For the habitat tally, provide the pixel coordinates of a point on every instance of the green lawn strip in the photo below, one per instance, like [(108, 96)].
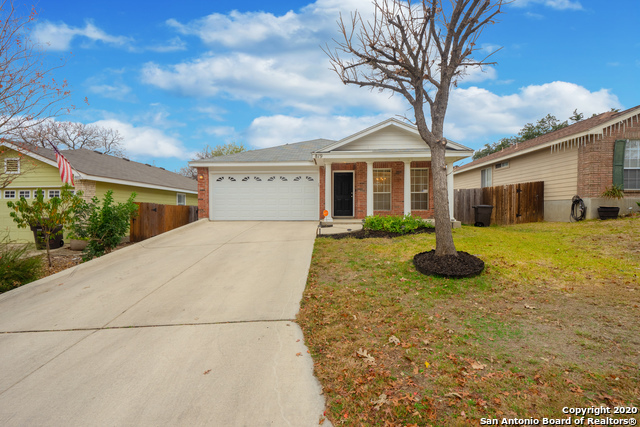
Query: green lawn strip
[(517, 340)]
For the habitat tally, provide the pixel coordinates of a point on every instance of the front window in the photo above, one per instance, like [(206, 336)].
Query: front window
[(419, 189), (181, 199), (485, 177), (632, 165), (24, 194), (54, 193), (382, 189), (9, 194)]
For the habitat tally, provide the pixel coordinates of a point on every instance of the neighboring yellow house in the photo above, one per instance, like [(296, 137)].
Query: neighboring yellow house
[(94, 174)]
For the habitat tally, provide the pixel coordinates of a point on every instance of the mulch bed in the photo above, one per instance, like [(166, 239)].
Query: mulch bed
[(369, 234), (463, 265)]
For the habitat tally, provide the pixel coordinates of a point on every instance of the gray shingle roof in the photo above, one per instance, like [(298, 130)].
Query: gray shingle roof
[(102, 165), (566, 132), (299, 151)]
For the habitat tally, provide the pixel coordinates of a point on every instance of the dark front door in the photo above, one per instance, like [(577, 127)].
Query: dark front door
[(343, 194)]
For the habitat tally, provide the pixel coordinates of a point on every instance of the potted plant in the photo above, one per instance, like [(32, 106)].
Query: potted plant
[(610, 212)]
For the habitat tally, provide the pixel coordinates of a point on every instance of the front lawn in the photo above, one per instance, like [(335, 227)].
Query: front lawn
[(552, 322)]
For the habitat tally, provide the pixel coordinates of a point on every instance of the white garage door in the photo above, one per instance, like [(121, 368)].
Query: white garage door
[(264, 196)]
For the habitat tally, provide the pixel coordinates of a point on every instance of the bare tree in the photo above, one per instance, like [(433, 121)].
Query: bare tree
[(207, 152), (418, 50), (28, 93), (72, 136)]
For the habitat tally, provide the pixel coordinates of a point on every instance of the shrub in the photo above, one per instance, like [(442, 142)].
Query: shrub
[(395, 224), (106, 225), (16, 269)]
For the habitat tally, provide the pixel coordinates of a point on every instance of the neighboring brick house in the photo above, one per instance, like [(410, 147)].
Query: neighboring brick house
[(382, 170), (582, 159)]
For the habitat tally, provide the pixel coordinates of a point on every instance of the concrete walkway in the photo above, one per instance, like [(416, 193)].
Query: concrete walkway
[(190, 328)]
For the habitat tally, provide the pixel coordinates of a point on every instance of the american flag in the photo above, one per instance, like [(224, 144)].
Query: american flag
[(66, 173)]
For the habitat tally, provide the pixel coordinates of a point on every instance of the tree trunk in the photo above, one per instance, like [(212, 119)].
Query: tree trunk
[(444, 235)]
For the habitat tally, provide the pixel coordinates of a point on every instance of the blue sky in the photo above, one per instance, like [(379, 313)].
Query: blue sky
[(172, 77)]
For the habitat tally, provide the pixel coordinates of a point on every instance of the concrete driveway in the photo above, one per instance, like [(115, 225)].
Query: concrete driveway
[(193, 327)]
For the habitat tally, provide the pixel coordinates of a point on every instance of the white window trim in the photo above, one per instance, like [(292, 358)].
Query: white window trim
[(419, 192), (28, 196), (390, 189), (49, 194), (4, 194), (502, 165), (17, 159), (178, 199), (624, 167)]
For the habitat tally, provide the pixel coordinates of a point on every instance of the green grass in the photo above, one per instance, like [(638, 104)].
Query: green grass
[(551, 322)]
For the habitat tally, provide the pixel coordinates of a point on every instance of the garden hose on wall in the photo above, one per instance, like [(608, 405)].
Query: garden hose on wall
[(578, 210)]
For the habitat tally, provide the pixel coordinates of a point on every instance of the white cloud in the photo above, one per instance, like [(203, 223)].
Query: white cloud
[(119, 91), (474, 113), (554, 4), (60, 36), (221, 131), (145, 141), (268, 131), (301, 81), (174, 45)]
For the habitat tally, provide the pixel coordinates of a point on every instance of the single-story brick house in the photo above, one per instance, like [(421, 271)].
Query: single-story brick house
[(582, 159), (382, 170)]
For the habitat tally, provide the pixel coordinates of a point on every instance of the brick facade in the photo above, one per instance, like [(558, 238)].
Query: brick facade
[(360, 187), (203, 192), (595, 160)]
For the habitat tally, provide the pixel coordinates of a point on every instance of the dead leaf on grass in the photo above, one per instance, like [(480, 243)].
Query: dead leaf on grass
[(454, 394), (477, 366), (366, 356), (377, 404), (527, 306), (394, 340)]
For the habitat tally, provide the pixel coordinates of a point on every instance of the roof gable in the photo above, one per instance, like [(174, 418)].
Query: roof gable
[(389, 135)]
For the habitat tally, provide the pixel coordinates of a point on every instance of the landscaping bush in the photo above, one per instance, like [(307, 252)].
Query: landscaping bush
[(395, 224), (106, 225), (16, 269)]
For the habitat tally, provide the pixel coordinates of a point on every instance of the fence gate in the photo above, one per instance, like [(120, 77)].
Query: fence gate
[(512, 204), (154, 219)]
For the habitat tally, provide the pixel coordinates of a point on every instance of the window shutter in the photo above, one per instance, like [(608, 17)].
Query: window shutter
[(618, 163)]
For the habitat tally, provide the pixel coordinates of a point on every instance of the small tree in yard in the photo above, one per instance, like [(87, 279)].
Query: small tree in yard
[(106, 225), (49, 215), (418, 50)]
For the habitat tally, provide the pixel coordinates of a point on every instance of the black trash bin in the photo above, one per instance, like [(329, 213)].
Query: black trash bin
[(483, 215), (55, 241)]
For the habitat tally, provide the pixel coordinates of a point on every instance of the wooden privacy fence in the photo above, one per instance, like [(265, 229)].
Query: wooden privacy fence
[(154, 219), (512, 204)]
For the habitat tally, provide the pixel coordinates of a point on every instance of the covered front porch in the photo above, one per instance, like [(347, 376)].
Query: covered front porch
[(356, 187)]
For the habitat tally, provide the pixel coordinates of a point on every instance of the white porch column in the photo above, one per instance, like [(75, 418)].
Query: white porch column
[(369, 188), (450, 189), (327, 190), (407, 188)]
